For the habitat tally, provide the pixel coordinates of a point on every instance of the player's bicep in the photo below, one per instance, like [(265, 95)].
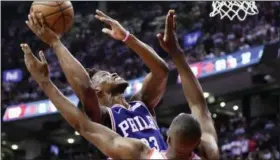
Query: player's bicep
[(130, 148), (152, 90), (208, 127), (100, 136), (205, 120), (113, 145), (209, 147)]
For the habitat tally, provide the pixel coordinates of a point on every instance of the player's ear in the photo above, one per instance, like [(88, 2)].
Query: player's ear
[(198, 142), (168, 140), (98, 91)]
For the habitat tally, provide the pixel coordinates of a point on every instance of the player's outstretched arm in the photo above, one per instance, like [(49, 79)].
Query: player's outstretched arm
[(40, 73), (109, 142), (194, 95), (192, 89), (74, 71), (155, 82)]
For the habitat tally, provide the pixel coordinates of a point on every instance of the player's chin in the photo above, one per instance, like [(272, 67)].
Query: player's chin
[(120, 87)]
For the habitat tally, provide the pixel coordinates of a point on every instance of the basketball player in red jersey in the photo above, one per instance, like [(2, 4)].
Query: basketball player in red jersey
[(193, 92)]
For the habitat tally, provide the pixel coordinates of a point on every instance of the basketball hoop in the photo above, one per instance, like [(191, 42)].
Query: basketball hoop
[(232, 9)]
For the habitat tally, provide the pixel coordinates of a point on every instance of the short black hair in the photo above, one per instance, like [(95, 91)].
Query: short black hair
[(95, 80), (91, 71), (186, 127)]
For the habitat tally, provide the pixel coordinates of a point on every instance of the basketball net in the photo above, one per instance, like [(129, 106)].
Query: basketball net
[(232, 9)]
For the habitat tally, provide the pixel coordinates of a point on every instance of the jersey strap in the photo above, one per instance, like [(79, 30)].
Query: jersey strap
[(113, 123)]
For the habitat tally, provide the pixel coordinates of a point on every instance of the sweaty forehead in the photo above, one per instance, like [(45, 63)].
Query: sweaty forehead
[(99, 77), (100, 73)]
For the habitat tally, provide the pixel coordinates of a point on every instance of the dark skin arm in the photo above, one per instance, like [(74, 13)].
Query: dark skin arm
[(109, 142), (192, 90), (194, 95), (75, 73), (155, 82), (106, 140)]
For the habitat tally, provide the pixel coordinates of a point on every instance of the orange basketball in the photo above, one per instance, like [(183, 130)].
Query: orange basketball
[(58, 15)]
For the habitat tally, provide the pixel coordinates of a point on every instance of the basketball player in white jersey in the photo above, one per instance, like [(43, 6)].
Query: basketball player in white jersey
[(185, 133), (207, 145)]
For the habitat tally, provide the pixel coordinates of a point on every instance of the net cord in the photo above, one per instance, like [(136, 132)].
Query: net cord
[(224, 8)]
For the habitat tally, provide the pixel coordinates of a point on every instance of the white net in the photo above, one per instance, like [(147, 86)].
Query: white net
[(232, 9)]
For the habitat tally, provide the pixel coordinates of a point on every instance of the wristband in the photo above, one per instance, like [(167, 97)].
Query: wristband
[(126, 36)]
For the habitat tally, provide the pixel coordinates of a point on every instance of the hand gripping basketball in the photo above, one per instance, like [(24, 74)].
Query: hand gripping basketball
[(58, 15), (37, 25)]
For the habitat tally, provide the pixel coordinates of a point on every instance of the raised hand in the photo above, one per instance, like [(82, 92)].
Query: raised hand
[(117, 31), (168, 40), (37, 24), (38, 68)]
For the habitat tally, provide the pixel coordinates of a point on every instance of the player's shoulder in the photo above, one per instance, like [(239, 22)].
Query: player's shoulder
[(145, 109), (209, 148), (137, 104), (118, 109)]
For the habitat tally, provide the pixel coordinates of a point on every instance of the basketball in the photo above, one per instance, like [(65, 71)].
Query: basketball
[(58, 15)]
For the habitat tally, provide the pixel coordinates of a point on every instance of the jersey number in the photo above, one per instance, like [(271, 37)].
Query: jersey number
[(149, 141)]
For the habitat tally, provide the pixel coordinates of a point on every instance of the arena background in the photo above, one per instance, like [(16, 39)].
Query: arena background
[(236, 62)]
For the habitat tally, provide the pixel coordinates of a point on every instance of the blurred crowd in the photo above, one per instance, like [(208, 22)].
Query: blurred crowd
[(243, 140), (144, 19)]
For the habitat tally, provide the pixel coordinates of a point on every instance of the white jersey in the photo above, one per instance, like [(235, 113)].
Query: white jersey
[(154, 154)]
